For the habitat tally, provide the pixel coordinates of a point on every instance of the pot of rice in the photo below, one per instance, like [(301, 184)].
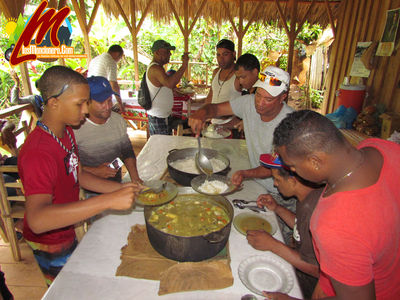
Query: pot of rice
[(182, 165)]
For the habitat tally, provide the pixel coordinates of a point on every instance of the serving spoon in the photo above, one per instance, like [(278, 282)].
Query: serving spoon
[(240, 205), (203, 163)]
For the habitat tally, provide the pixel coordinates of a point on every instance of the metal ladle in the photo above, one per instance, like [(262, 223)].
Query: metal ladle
[(202, 162)]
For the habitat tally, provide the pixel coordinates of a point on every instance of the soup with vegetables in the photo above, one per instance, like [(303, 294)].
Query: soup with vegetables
[(189, 216)]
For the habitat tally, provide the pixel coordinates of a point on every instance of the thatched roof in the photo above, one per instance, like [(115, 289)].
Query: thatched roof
[(216, 11)]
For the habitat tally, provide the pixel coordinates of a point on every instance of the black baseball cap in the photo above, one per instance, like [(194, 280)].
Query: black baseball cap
[(226, 44)]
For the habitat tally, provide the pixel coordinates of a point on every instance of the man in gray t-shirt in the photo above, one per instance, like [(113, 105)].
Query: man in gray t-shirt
[(103, 137), (261, 113)]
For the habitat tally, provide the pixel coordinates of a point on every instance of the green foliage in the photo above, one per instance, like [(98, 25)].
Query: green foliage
[(316, 97), (309, 33)]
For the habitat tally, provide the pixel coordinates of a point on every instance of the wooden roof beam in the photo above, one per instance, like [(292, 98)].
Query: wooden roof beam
[(305, 17), (230, 17), (144, 14), (282, 17), (197, 16), (93, 16), (317, 2), (330, 18), (176, 16), (253, 16), (121, 11)]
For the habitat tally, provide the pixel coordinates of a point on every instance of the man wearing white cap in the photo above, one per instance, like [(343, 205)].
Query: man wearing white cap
[(261, 113)]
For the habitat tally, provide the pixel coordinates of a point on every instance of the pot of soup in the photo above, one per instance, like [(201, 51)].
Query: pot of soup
[(192, 227), (182, 166)]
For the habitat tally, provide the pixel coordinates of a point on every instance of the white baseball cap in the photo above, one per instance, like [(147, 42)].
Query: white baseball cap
[(274, 80)]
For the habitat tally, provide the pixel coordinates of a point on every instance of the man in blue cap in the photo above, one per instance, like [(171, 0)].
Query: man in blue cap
[(103, 137)]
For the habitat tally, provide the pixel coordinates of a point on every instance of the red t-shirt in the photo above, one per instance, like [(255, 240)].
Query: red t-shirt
[(42, 170), (356, 234)]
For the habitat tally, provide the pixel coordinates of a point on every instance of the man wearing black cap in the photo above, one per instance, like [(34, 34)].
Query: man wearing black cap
[(160, 86), (103, 137), (224, 85)]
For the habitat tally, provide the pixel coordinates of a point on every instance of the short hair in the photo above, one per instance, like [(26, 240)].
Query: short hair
[(305, 131), (116, 48), (55, 78), (248, 62), (226, 44)]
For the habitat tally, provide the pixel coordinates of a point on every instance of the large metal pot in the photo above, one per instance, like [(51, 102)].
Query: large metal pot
[(194, 248), (185, 178)]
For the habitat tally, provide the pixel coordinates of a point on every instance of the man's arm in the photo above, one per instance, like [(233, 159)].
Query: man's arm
[(207, 111), (115, 87), (42, 215), (159, 78), (102, 171), (258, 172), (130, 164)]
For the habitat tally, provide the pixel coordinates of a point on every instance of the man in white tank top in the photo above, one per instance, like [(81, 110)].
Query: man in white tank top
[(224, 85), (161, 85)]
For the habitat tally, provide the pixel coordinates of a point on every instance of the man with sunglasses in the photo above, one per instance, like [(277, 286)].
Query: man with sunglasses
[(261, 113)]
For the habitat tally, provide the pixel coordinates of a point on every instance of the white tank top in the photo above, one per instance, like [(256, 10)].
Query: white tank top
[(162, 104), (223, 91)]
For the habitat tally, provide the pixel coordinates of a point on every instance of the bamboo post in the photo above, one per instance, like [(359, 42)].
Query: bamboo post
[(135, 44), (26, 83)]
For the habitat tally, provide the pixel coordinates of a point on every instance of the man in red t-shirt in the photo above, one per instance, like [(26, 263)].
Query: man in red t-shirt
[(356, 224), (49, 169)]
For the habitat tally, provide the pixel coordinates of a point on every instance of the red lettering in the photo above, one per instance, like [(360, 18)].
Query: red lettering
[(41, 24)]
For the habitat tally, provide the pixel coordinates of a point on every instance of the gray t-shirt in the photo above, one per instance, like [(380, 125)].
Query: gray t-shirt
[(259, 134), (101, 143)]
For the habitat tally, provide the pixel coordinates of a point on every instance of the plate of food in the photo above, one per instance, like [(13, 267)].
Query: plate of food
[(253, 221), (212, 185), (148, 197), (216, 132), (266, 273)]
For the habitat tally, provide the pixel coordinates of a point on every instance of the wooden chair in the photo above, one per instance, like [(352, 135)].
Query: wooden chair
[(10, 212)]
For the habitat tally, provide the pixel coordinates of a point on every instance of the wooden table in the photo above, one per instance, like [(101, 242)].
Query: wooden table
[(90, 272)]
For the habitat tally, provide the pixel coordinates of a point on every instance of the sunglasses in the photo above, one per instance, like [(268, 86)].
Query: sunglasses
[(63, 89), (273, 81)]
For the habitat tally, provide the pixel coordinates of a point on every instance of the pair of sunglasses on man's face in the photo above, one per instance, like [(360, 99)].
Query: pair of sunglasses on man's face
[(273, 81)]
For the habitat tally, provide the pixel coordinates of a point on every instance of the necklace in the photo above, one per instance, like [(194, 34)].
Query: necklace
[(71, 159), (332, 186), (221, 84)]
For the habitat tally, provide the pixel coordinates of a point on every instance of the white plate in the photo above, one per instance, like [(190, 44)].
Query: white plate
[(266, 273), (219, 121)]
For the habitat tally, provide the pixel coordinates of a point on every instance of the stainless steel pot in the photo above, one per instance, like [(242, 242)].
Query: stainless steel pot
[(194, 248), (185, 178)]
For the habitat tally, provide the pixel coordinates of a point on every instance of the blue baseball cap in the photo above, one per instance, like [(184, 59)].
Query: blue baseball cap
[(100, 88)]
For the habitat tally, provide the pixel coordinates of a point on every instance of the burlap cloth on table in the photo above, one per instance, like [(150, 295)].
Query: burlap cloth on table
[(140, 260)]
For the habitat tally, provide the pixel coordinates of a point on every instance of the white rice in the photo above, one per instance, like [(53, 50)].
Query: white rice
[(188, 165), (213, 187)]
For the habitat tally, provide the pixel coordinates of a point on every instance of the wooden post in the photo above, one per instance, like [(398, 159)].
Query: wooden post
[(26, 83), (240, 29), (135, 44)]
